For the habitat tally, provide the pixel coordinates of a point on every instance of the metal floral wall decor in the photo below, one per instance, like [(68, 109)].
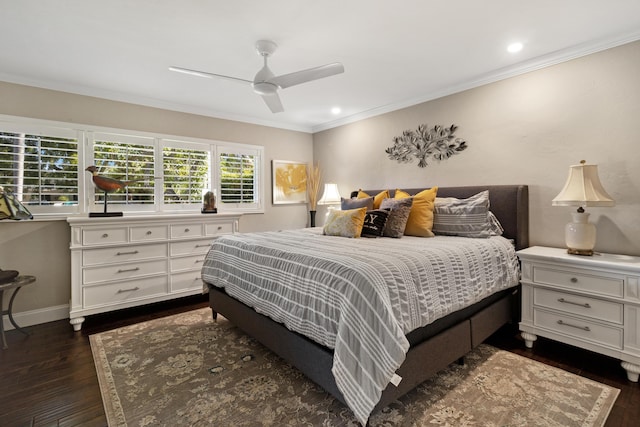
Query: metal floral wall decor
[(437, 142)]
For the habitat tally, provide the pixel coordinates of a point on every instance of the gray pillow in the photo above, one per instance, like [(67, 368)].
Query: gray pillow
[(464, 217), (348, 204), (398, 216)]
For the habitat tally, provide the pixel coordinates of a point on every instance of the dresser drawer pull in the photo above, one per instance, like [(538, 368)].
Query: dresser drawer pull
[(105, 235), (186, 230), (219, 227), (121, 291), (129, 270), (585, 305), (127, 253), (149, 233), (584, 328), (203, 246), (573, 280), (199, 261)]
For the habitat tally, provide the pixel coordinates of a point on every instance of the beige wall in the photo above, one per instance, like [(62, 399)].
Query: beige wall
[(41, 248), (527, 129), (523, 130)]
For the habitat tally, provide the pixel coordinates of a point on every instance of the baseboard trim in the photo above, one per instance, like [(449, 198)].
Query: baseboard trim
[(36, 317)]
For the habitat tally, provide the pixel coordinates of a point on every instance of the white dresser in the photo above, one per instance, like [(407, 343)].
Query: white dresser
[(592, 302), (122, 262)]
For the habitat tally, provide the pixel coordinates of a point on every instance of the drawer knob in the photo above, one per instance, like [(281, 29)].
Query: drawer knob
[(186, 230), (121, 291), (584, 328), (127, 270), (564, 301), (574, 280), (149, 233), (127, 253), (105, 235), (219, 227), (203, 246)]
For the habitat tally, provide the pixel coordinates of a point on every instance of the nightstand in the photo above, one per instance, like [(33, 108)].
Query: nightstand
[(592, 302)]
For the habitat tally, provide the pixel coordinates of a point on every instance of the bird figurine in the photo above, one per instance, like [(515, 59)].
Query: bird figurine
[(108, 185)]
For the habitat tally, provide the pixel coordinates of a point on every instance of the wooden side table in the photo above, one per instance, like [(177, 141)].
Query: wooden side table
[(18, 283)]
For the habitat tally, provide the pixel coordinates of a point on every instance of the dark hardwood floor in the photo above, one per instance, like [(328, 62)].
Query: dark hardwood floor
[(48, 378)]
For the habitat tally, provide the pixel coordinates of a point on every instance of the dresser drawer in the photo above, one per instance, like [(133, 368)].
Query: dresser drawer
[(593, 308), (113, 293), (123, 271), (218, 229), (187, 263), (145, 234), (190, 248), (582, 329), (579, 280), (190, 280), (187, 230), (118, 255), (104, 236)]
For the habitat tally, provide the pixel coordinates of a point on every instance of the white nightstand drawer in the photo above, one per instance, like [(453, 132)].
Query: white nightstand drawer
[(104, 236), (190, 248), (153, 232), (118, 255), (113, 293), (186, 230), (609, 336), (218, 229), (190, 280), (581, 281), (579, 304), (187, 263), (123, 271)]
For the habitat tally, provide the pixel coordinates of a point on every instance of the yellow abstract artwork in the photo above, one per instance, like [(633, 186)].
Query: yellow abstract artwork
[(289, 182)]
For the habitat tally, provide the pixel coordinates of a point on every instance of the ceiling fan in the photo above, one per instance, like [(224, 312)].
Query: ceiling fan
[(265, 83)]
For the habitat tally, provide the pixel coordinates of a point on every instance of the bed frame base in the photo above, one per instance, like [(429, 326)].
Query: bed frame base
[(315, 361)]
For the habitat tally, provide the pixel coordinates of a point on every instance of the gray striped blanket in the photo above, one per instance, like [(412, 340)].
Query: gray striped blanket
[(359, 297)]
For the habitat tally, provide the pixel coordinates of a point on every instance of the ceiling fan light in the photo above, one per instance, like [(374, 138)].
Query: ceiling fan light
[(264, 88)]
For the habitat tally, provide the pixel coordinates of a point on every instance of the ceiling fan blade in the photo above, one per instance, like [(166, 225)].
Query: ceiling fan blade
[(273, 102), (308, 75), (207, 75)]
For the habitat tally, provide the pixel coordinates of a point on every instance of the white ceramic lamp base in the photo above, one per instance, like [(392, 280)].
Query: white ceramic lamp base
[(580, 235)]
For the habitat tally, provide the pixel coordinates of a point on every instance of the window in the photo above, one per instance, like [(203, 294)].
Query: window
[(239, 171), (40, 166), (129, 159), (45, 166), (186, 172)]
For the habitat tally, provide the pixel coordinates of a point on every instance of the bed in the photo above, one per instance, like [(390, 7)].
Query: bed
[(418, 353)]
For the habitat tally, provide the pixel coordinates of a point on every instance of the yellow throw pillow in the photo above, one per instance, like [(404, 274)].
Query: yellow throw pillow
[(377, 199), (345, 223), (420, 220)]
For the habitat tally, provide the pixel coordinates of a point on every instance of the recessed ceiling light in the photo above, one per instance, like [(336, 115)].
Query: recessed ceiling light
[(514, 47), (336, 110)]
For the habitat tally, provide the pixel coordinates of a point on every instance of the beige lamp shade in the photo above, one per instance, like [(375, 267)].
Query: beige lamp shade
[(583, 188), (331, 195)]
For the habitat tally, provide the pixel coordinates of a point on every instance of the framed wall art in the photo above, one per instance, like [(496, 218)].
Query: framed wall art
[(289, 182)]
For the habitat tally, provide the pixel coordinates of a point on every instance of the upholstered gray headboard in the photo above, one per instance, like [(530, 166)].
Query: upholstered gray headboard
[(509, 203)]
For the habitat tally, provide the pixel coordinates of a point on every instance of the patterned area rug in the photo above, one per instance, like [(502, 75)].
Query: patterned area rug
[(186, 370)]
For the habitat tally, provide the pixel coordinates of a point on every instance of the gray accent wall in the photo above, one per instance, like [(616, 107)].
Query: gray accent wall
[(523, 130)]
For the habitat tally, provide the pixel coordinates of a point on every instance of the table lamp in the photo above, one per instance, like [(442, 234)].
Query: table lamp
[(11, 208), (330, 196), (582, 189)]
